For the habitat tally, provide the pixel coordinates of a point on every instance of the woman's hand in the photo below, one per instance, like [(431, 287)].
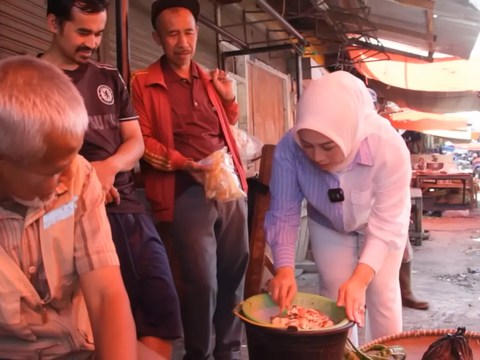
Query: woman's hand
[(351, 294), (283, 287)]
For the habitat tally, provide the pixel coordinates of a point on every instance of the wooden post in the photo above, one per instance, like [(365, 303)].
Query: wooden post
[(258, 255)]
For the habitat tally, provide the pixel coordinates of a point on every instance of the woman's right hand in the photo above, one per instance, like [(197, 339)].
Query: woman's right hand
[(283, 287)]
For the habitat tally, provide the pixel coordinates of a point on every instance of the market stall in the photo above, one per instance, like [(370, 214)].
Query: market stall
[(443, 185), (447, 191)]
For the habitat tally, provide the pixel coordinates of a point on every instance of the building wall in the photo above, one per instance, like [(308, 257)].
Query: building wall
[(144, 51), (23, 30)]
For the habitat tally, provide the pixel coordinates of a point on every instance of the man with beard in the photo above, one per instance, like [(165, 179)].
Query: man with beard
[(185, 115), (59, 277), (113, 144)]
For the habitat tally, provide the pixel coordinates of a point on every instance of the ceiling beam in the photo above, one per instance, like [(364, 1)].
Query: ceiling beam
[(421, 4), (405, 32)]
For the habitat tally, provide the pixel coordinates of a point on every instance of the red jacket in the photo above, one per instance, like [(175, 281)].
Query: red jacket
[(161, 160)]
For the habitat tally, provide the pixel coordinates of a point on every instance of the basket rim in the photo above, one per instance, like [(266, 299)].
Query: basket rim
[(417, 334)]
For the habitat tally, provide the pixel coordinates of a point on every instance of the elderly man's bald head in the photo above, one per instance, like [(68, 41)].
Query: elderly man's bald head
[(43, 121), (36, 99)]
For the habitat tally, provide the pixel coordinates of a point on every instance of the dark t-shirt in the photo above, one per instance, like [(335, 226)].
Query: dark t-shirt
[(108, 104)]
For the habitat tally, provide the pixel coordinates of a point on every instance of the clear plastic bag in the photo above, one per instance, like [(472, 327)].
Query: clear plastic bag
[(221, 182), (249, 146)]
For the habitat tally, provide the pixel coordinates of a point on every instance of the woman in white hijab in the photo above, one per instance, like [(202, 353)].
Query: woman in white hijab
[(338, 159)]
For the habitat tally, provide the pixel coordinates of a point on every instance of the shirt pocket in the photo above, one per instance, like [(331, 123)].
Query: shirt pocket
[(361, 203)]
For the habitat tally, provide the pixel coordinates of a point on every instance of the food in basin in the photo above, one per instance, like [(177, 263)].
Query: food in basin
[(302, 318)]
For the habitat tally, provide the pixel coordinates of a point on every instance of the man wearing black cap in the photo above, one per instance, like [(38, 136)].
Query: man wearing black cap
[(113, 144), (185, 115)]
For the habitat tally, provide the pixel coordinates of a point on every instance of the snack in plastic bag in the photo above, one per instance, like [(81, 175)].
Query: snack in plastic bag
[(221, 182), (248, 145), (451, 346)]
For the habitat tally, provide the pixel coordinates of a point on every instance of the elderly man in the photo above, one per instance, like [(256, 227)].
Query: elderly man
[(113, 144), (60, 276), (185, 115)]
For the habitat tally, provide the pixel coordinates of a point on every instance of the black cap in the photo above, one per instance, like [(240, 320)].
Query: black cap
[(159, 6)]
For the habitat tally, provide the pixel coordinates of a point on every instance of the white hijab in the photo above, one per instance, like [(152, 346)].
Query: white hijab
[(339, 106)]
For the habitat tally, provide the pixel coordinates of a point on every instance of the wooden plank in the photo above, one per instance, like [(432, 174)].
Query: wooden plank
[(253, 282), (430, 27), (267, 103)]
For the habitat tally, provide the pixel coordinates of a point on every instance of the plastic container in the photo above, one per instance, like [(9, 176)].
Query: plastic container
[(268, 342)]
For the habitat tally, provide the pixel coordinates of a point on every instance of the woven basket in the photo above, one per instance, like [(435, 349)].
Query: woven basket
[(416, 342)]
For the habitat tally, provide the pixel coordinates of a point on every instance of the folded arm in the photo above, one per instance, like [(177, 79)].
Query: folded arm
[(156, 154), (132, 147), (282, 221)]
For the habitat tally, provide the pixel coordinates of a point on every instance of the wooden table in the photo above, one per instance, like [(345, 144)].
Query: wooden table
[(458, 181)]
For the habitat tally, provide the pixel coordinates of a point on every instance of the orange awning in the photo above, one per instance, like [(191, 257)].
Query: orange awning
[(420, 121), (441, 75)]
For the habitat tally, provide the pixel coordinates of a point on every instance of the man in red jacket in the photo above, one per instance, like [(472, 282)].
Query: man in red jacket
[(113, 144), (185, 116)]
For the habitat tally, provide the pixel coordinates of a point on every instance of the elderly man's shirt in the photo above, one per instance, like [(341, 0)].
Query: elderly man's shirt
[(20, 236), (197, 131)]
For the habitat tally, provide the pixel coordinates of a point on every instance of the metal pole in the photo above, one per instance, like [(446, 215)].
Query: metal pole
[(299, 75), (122, 40), (285, 24), (361, 45), (218, 37), (258, 50), (225, 34)]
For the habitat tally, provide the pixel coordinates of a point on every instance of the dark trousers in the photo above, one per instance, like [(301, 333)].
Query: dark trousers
[(211, 239), (147, 276)]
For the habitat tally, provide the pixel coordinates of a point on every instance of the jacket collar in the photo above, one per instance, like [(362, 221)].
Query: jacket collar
[(155, 75)]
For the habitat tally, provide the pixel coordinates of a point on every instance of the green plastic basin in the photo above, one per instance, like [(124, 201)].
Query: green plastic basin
[(261, 308)]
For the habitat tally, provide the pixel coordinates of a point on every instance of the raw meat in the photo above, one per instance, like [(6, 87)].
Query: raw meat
[(302, 318)]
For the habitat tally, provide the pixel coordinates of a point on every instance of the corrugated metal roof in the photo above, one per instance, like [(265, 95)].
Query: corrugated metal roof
[(456, 25), (427, 101)]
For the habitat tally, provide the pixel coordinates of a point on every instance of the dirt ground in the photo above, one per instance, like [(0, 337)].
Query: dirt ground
[(446, 272)]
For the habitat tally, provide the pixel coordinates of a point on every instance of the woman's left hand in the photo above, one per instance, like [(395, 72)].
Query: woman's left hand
[(351, 295)]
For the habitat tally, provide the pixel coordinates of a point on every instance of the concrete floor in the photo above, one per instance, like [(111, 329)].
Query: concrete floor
[(446, 272)]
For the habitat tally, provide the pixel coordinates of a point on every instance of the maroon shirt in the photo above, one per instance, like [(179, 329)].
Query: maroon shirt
[(108, 104), (197, 132)]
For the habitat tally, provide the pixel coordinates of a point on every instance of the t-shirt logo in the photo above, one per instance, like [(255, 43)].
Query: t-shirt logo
[(105, 94)]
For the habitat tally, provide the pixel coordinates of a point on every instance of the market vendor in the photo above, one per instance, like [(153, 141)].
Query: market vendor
[(338, 158)]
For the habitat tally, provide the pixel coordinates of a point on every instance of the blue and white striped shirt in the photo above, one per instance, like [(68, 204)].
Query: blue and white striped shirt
[(295, 178)]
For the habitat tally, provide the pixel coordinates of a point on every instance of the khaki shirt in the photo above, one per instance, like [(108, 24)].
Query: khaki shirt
[(94, 249), (45, 251)]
